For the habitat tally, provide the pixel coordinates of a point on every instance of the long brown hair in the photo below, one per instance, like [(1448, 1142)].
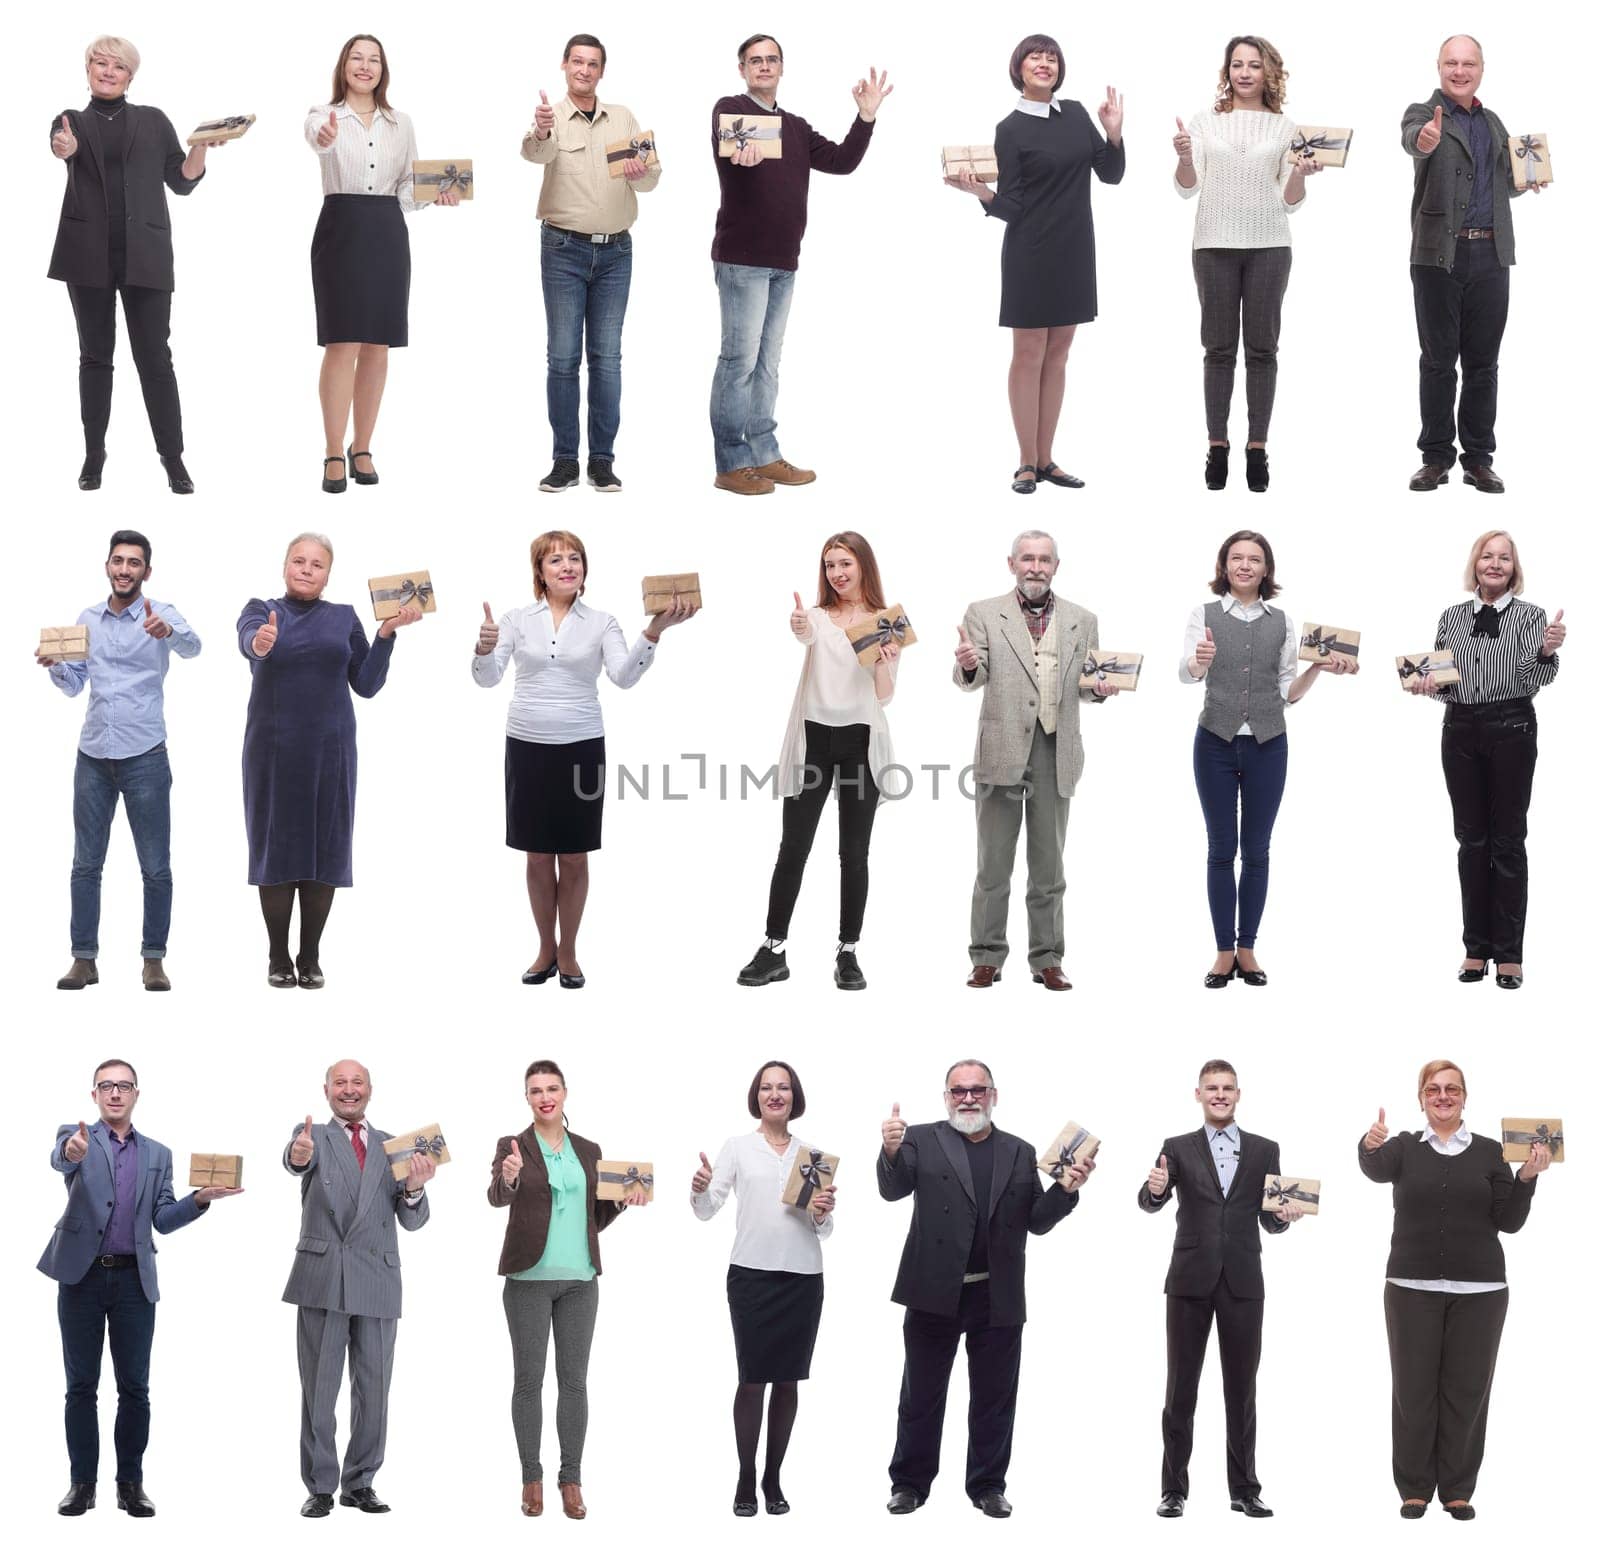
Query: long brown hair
[(1270, 588), (871, 583), (380, 93), (1274, 89)]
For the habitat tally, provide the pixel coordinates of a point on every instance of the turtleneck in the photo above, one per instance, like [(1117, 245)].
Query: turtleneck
[(112, 122)]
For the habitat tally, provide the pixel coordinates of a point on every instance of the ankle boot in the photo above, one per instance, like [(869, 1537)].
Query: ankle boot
[(1216, 467), (1255, 468)]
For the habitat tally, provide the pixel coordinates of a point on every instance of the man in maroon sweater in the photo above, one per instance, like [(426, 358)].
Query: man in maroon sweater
[(756, 251)]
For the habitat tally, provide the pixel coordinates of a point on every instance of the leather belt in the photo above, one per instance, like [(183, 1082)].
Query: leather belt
[(1475, 232), (115, 1260), (584, 237), (1507, 707), (973, 1278)]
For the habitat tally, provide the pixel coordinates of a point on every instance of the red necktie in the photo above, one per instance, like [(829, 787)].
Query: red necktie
[(359, 1145)]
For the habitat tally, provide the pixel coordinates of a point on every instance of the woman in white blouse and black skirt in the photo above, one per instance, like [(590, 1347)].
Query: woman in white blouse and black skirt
[(774, 1277), (555, 740), (1504, 651), (360, 252)]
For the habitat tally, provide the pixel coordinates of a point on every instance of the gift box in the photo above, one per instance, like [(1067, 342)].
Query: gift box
[(1518, 1135), (735, 131), (1071, 1146), (888, 625), (811, 1172), (615, 1179), (415, 1141), (1530, 160), (660, 591), (1118, 670), (1327, 147), (430, 179), (1320, 643), (1441, 664), (1304, 1190), (390, 595), (216, 1170), (977, 160), (642, 146), (65, 644), (222, 129)]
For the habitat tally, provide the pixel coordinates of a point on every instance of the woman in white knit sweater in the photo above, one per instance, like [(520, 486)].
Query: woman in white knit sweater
[(1239, 159)]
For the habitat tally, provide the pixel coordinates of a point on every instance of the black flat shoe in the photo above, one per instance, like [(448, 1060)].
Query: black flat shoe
[(364, 1499), (1216, 979), (350, 464), (532, 978), (1462, 1513), (743, 1507), (776, 1505), (902, 1502), (132, 1499), (89, 480), (78, 1499), (1412, 1510), (573, 981), (1216, 468), (1510, 981), (178, 481), (1057, 476), (317, 1505), (1025, 482), (1256, 978), (1472, 973), (282, 976), (334, 487), (1255, 469), (310, 975), (1251, 1505)]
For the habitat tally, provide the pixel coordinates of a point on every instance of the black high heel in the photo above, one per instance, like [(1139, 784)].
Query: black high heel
[(532, 978), (178, 481), (89, 475), (1215, 979), (1472, 973), (1255, 469), (1216, 466), (361, 480), (1025, 482), (334, 486), (1510, 981)]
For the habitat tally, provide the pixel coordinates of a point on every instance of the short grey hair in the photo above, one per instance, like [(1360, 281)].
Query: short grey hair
[(119, 49), (1035, 534), (1470, 39), (988, 1073), (315, 538)]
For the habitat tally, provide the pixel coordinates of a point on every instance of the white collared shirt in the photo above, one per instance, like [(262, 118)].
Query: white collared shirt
[(1499, 605), (768, 1233), (1038, 110), (363, 160), (1224, 1144), (1454, 1145), (1288, 655)]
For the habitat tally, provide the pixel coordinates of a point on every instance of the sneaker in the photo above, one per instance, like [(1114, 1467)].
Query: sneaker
[(765, 966), (744, 482), (602, 477), (847, 975), (782, 473), (562, 477)]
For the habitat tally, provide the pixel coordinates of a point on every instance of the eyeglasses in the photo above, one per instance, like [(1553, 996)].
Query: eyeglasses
[(1449, 1092), (116, 1086), (976, 1092)]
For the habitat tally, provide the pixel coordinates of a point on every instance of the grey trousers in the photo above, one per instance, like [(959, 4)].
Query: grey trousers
[(1241, 286), (533, 1307), (322, 1339), (1001, 814)]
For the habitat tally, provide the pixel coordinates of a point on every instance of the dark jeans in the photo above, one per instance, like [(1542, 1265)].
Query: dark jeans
[(1461, 313), (585, 298), (830, 752), (1239, 1338), (149, 316), (1241, 785), (106, 1298), (144, 782), (1241, 287), (994, 1365), (1489, 753)]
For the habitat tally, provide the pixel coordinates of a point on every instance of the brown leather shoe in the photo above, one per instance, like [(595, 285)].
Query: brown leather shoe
[(533, 1499), (156, 979), (1053, 978), (744, 482), (1430, 477), (572, 1501), (80, 974), (782, 473), (984, 976), (1484, 478)]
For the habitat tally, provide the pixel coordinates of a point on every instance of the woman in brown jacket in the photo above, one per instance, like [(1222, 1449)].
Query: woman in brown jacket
[(551, 1265)]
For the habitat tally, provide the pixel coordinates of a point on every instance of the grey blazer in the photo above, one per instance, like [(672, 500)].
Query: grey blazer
[(1011, 693), (1439, 194), (348, 1256)]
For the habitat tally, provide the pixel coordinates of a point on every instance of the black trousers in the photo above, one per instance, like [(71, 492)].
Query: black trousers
[(994, 1364), (1442, 1350), (149, 316), (1489, 752), (1239, 1338), (1461, 314)]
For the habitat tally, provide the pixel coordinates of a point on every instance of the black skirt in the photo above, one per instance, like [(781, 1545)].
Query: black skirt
[(555, 795), (775, 1317), (361, 270)]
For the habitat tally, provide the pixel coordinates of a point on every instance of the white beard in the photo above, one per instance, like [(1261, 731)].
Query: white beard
[(970, 1122), (1033, 592)]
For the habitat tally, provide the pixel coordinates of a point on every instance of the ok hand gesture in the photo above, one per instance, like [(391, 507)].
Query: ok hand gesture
[(869, 94), (63, 142)]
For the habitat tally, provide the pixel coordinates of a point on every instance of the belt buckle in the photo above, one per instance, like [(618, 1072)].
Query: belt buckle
[(107, 1259), (599, 237)]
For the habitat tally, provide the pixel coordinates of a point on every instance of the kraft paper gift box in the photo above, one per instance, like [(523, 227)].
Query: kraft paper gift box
[(1119, 670), (1441, 664), (415, 1141), (1530, 160), (1329, 147), (430, 179), (811, 1172), (1320, 643), (977, 160), (221, 129), (216, 1170), (888, 625), (1280, 1189), (659, 591), (615, 1179), (390, 595), (65, 644), (642, 146), (1073, 1145), (1518, 1135), (735, 131)]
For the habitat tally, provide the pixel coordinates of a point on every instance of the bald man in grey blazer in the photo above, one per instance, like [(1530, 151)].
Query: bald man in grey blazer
[(1025, 650), (346, 1282)]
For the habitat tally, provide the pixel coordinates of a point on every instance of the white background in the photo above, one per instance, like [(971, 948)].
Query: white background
[(893, 386)]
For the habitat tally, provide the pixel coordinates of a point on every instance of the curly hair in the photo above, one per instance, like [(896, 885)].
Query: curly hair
[(1275, 90)]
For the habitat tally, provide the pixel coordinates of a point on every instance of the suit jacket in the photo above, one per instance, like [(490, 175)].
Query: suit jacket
[(348, 1256), (91, 1194), (528, 1227), (1440, 191), (1011, 692), (1217, 1238), (154, 159), (932, 1168)]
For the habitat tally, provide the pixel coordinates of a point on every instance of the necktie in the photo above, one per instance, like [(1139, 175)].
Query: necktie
[(1486, 623), (358, 1144)]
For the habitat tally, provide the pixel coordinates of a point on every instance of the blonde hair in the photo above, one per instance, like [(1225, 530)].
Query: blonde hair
[(316, 539), (1470, 578), (1275, 86), (1439, 1066), (119, 49)]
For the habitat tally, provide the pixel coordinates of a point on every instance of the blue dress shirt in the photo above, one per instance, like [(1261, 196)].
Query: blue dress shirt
[(118, 1239), (1474, 127)]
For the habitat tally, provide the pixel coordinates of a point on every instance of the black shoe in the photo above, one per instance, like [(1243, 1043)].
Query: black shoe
[(1430, 477), (1216, 979), (78, 1499), (765, 966), (178, 481), (1510, 981), (1462, 1513), (602, 477), (333, 488), (317, 1505), (350, 464), (994, 1504), (1059, 477), (1473, 973), (1216, 479), (847, 972), (576, 980), (1412, 1510), (309, 973), (1255, 468), (1251, 1505), (89, 480), (902, 1502), (132, 1498), (1484, 478), (364, 1499), (745, 1508), (1171, 1505), (1026, 480), (1256, 978), (563, 477), (532, 978), (282, 976), (775, 1503)]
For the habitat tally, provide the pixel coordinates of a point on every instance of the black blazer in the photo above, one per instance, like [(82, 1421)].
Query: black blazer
[(154, 158), (932, 1166), (1217, 1237)]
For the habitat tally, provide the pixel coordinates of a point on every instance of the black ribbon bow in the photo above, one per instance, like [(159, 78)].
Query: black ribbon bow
[(1486, 623), (630, 1178), (452, 177), (1540, 1135), (421, 1144), (1424, 665), (1530, 146), (1068, 1156), (1101, 667), (742, 134), (1303, 145), (1326, 645), (240, 120), (812, 1172), (640, 146), (1281, 1192), (885, 629)]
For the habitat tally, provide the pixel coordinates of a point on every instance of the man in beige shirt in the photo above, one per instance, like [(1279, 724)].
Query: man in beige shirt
[(596, 162)]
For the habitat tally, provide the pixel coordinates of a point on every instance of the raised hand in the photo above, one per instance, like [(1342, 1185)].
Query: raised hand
[(77, 1146), (1376, 1134), (701, 1178), (329, 132), (1554, 635), (1205, 650), (1183, 144), (1110, 112), (1158, 1178), (154, 624), (511, 1166), (63, 142), (1429, 136), (409, 615), (488, 633), (869, 94), (544, 118), (266, 636), (966, 653), (304, 1146), (799, 624), (894, 1131)]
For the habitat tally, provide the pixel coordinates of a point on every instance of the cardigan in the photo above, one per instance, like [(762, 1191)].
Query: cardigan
[(529, 1201)]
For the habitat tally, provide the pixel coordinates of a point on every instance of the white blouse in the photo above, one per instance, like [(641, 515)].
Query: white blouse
[(556, 700), (1241, 163), (374, 161), (768, 1234), (1288, 654)]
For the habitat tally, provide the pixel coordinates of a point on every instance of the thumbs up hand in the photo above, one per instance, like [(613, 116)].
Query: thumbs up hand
[(1158, 1178), (154, 624), (544, 118), (966, 653), (799, 621), (77, 1146), (701, 1178), (1183, 145), (329, 132), (1429, 136), (1376, 1134), (894, 1131), (266, 636), (1205, 651), (1554, 635), (63, 142), (511, 1166), (488, 633), (304, 1146)]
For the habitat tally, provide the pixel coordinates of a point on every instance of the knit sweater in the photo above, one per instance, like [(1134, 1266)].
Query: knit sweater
[(1241, 162), (1449, 1210)]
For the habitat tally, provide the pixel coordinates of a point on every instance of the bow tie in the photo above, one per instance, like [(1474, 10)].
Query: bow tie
[(1486, 623)]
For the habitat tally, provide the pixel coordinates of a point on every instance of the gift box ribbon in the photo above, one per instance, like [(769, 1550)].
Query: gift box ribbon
[(1101, 667), (640, 146), (741, 134), (1068, 1156), (410, 590), (1530, 146), (632, 1177), (420, 1144), (1541, 1135), (1325, 645), (451, 178), (885, 630), (240, 120), (1423, 665), (1293, 1192), (1303, 145), (812, 1172)]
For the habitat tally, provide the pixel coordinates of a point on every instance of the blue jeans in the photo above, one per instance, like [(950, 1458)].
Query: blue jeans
[(144, 783), (585, 298), (744, 392), (106, 1298), (1241, 785)]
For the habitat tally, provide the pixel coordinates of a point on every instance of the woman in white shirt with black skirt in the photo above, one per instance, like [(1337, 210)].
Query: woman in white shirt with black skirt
[(555, 739), (774, 1276)]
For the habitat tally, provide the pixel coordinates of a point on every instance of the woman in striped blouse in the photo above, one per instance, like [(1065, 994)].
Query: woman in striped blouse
[(1504, 650)]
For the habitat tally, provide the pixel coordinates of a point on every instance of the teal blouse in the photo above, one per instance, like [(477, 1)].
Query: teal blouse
[(566, 1249)]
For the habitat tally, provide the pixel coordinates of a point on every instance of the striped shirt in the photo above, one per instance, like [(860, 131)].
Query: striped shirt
[(372, 160), (1495, 668)]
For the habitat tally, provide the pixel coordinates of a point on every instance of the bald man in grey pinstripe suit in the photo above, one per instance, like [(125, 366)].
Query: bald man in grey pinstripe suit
[(346, 1283)]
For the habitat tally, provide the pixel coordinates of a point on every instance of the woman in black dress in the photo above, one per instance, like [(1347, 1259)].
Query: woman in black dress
[(1045, 149)]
